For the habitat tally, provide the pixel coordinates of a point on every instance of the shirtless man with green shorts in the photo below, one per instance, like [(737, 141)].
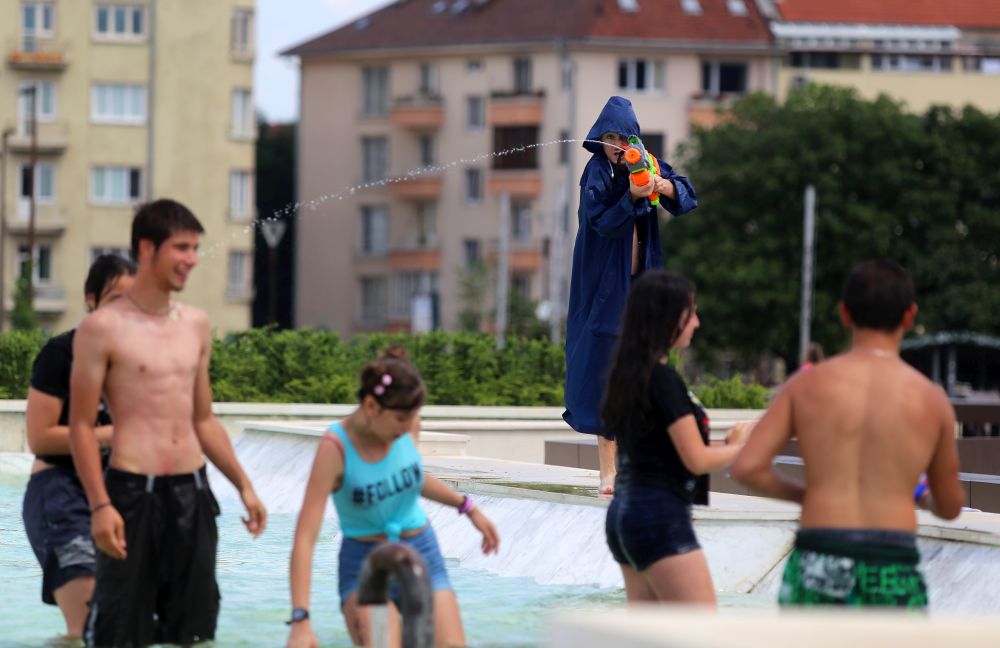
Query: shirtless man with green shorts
[(869, 426)]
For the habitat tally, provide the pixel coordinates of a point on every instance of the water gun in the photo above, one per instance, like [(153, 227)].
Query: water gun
[(640, 164)]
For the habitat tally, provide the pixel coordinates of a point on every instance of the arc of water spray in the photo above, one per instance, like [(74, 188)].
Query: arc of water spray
[(292, 208)]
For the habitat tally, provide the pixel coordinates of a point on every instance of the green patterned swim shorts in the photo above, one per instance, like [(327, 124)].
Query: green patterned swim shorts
[(854, 567)]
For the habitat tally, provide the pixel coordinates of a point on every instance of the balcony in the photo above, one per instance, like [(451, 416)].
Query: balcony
[(706, 111), (419, 186), (50, 299), (519, 183), (50, 220), (53, 139), (39, 55), (415, 258), (508, 109), (418, 113), (525, 258)]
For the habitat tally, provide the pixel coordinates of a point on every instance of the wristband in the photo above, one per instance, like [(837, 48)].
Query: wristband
[(298, 614), (920, 490), (466, 505), (99, 507)]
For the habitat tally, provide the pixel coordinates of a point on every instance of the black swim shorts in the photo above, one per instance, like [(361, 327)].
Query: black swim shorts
[(165, 589)]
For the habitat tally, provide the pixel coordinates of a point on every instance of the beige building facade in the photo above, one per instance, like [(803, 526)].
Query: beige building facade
[(410, 169), (136, 100)]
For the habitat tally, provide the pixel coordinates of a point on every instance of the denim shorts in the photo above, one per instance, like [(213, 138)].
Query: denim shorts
[(353, 553), (57, 519), (647, 524)]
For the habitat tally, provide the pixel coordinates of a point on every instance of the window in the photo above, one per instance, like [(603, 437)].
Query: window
[(120, 22), (118, 104), (122, 252), (406, 286), (514, 142), (45, 104), (473, 254), (374, 230), (374, 159), (737, 7), (523, 83), (116, 185), (426, 225), (42, 263), (473, 185), (691, 7), (981, 64), (911, 63), (520, 221), (374, 300), (723, 78), (474, 65), (475, 112), (44, 182), (242, 113), (815, 60), (655, 144), (241, 196), (641, 75), (238, 275), (426, 151), (564, 147), (520, 285), (428, 80), (37, 21), (241, 32), (375, 91)]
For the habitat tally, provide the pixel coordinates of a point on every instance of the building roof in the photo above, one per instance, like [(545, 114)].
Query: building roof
[(437, 23), (967, 14)]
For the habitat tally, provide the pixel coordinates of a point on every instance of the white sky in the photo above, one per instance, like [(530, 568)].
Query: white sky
[(276, 78)]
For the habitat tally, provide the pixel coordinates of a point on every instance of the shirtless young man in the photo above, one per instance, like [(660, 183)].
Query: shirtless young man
[(153, 514), (868, 425)]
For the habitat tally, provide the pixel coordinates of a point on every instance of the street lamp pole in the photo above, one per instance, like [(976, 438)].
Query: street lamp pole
[(32, 92), (3, 217)]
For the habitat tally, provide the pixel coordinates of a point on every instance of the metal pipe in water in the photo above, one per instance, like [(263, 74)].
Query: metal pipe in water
[(416, 602)]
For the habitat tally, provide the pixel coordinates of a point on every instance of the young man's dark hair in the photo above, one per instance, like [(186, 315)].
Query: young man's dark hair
[(877, 294), (103, 272), (157, 220)]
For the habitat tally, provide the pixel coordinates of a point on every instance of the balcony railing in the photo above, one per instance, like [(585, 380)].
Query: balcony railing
[(30, 53), (420, 186), (419, 113), (415, 258), (53, 138), (519, 183), (513, 109)]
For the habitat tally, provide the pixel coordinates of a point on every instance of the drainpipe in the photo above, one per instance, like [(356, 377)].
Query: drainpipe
[(151, 102), (3, 217)]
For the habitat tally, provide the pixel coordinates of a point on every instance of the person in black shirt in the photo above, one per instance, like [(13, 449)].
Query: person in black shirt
[(55, 511), (664, 455)]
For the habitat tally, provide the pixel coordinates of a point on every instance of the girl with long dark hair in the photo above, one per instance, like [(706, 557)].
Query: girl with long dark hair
[(664, 455)]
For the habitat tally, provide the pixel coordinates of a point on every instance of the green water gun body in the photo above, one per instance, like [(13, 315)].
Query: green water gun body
[(641, 164)]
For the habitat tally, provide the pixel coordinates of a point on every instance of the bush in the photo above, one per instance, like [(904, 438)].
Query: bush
[(731, 394), (17, 354)]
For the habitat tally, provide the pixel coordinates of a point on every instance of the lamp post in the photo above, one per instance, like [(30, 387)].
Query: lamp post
[(3, 217)]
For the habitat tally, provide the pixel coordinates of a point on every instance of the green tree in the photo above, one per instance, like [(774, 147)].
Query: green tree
[(23, 316), (473, 289), (921, 190)]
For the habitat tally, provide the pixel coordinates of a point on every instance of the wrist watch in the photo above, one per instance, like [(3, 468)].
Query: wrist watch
[(298, 614)]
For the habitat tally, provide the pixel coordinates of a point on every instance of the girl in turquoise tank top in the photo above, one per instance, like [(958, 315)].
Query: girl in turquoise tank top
[(369, 465)]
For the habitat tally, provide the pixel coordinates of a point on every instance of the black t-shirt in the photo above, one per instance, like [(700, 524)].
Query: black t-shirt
[(50, 375), (648, 457)]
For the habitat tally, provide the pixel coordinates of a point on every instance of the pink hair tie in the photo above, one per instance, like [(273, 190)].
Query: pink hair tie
[(384, 382)]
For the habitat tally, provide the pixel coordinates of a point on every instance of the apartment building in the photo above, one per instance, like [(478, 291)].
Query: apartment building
[(135, 100), (921, 52), (402, 110)]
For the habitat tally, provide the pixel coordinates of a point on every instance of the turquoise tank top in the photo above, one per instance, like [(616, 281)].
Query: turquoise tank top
[(380, 497)]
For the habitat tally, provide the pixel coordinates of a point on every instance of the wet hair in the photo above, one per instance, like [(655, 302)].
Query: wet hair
[(877, 294), (158, 220), (814, 353), (658, 307), (103, 272), (393, 381)]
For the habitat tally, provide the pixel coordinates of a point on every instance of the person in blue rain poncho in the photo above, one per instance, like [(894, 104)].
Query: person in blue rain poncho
[(618, 238)]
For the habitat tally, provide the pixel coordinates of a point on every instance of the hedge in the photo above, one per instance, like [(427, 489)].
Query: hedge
[(309, 366)]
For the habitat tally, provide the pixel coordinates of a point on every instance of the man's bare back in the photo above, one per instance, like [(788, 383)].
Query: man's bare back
[(153, 366), (868, 426)]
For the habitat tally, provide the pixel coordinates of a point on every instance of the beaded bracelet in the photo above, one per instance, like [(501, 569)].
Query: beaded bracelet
[(465, 506)]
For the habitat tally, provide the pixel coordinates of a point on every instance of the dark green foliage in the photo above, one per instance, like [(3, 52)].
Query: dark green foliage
[(732, 394), (17, 353), (921, 190), (23, 316)]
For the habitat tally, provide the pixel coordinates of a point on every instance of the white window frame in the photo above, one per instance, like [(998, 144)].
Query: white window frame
[(374, 233), (427, 150), (520, 221), (114, 174), (655, 73), (407, 285), (241, 195), (42, 13), (429, 81), (106, 98), (475, 112), (374, 91), (45, 92), (129, 35), (241, 114), (241, 32), (426, 225), (41, 169), (41, 253), (239, 270), (715, 77)]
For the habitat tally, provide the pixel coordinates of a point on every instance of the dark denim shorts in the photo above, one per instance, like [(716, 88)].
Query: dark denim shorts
[(57, 520), (353, 553), (646, 524)]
